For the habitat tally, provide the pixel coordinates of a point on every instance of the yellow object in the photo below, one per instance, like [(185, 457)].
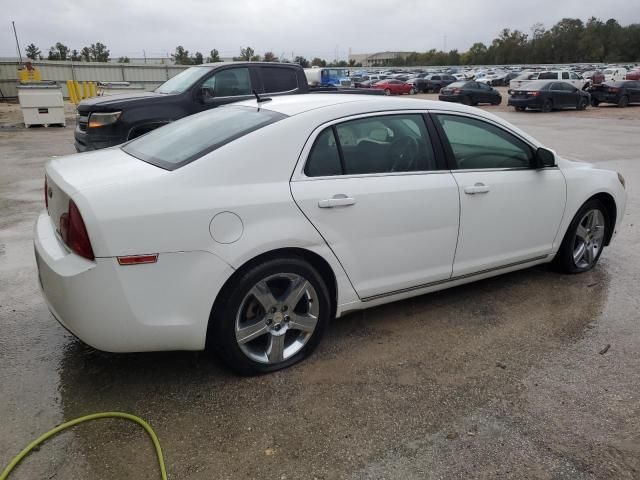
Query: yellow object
[(25, 451), (92, 89), (29, 75), (71, 91), (76, 88), (85, 90)]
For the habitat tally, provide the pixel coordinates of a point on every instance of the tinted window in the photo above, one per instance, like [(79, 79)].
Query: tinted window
[(477, 144), (228, 83), (188, 139), (574, 76), (324, 159), (277, 79), (435, 77), (565, 75), (384, 144), (555, 86), (548, 76)]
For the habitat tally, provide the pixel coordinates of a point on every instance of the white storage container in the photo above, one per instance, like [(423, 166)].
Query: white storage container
[(41, 103)]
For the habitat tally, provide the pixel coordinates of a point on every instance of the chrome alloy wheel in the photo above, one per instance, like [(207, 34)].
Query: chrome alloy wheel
[(277, 318), (588, 239)]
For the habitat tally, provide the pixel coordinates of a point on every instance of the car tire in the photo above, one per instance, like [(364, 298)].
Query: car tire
[(268, 328), (387, 91), (466, 100), (595, 102), (582, 104), (581, 232), (623, 102), (496, 102), (520, 109), (412, 91), (547, 105)]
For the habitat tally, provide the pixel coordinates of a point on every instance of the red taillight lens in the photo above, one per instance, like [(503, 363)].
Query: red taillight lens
[(455, 91), (74, 233), (533, 94), (613, 90), (46, 194)]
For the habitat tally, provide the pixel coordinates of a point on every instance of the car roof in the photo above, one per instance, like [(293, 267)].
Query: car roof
[(296, 104)]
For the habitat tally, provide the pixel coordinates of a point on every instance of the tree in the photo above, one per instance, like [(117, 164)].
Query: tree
[(214, 56), (318, 62), (33, 52), (124, 60), (303, 62), (181, 56), (270, 57), (86, 54), (75, 56), (246, 54), (197, 59), (99, 52), (58, 52)]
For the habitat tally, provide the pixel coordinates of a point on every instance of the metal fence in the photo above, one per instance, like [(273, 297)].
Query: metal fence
[(146, 75)]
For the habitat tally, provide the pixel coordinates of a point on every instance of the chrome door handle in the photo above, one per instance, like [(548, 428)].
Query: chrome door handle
[(477, 188), (339, 200)]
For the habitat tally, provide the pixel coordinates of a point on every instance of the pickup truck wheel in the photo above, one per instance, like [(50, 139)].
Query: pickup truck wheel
[(623, 102), (547, 105)]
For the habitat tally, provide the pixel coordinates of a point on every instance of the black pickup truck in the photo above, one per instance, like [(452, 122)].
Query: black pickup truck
[(111, 120)]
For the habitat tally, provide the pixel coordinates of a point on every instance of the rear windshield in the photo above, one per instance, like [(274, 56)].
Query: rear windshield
[(548, 76), (190, 138), (457, 84)]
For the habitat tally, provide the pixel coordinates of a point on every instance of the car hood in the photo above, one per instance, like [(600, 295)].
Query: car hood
[(115, 102)]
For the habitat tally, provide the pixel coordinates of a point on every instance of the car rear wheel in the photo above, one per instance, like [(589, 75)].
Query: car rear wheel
[(547, 105), (595, 102), (623, 102), (270, 317), (387, 91), (466, 100), (520, 109), (583, 243)]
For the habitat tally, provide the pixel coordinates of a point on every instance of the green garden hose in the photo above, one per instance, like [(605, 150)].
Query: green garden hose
[(154, 438)]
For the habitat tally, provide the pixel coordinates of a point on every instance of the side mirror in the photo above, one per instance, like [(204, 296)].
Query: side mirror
[(544, 158)]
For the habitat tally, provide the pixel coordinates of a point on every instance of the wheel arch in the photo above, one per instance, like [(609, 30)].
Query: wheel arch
[(314, 259), (612, 211)]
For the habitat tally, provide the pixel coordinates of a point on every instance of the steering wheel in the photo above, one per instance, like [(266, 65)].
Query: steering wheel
[(404, 154)]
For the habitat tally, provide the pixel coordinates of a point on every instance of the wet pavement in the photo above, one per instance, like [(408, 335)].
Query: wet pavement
[(502, 378)]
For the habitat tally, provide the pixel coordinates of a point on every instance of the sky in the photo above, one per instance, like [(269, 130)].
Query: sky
[(285, 27)]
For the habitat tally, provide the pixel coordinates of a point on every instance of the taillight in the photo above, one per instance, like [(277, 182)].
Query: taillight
[(46, 194), (613, 90), (74, 233), (533, 94)]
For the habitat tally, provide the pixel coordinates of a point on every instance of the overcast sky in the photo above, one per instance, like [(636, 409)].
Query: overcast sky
[(307, 28)]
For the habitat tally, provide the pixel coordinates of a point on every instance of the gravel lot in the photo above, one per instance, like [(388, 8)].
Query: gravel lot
[(502, 378)]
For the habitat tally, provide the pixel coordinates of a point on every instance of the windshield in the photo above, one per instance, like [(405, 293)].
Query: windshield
[(183, 80), (190, 138), (548, 76)]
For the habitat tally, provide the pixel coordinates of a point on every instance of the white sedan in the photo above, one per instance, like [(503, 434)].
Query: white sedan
[(247, 228)]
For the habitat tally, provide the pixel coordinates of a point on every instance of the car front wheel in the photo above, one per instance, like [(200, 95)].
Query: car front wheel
[(387, 91), (270, 317), (585, 238)]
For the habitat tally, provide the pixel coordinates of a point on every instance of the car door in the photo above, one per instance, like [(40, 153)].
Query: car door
[(485, 93), (510, 213), (634, 91), (225, 86), (561, 96), (377, 191)]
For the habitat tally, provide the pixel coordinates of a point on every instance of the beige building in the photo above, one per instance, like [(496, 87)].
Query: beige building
[(377, 59)]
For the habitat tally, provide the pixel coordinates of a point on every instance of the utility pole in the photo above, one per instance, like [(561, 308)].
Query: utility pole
[(17, 43), (144, 54), (444, 44)]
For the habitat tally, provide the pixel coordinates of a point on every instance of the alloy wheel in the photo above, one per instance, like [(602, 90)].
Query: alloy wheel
[(276, 318), (588, 239)]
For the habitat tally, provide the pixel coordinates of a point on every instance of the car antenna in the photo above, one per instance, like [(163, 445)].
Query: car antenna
[(260, 99)]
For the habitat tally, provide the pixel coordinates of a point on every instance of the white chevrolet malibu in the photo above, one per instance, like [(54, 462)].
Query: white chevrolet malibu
[(249, 227)]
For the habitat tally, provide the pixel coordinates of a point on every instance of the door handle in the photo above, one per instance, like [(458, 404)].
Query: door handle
[(477, 188), (339, 200)]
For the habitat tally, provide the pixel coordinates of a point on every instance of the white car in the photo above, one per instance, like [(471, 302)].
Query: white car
[(614, 74), (247, 228)]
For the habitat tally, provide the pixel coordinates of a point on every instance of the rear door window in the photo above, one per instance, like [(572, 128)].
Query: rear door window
[(278, 79)]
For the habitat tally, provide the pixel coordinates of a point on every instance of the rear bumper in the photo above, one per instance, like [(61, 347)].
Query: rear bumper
[(525, 102), (160, 306)]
